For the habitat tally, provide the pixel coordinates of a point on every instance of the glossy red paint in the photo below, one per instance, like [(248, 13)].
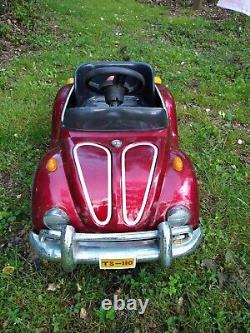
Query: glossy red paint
[(134, 188), (51, 189), (94, 169), (158, 138), (63, 188)]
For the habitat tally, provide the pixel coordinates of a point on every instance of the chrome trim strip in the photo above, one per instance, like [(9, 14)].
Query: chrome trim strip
[(84, 187), (109, 237), (114, 237), (117, 237), (66, 102), (150, 178), (161, 98)]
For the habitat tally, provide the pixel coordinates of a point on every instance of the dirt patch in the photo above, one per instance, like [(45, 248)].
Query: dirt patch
[(20, 28), (245, 159), (209, 10), (243, 127), (5, 180), (11, 39), (10, 51)]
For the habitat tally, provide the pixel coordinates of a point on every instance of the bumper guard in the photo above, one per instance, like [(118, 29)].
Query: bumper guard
[(71, 248)]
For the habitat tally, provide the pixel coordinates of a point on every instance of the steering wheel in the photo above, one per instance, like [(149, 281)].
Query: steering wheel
[(116, 85)]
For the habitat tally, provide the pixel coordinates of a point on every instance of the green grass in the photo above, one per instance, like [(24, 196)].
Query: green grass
[(204, 63)]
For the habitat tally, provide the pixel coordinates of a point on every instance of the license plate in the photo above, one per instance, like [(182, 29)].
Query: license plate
[(117, 263)]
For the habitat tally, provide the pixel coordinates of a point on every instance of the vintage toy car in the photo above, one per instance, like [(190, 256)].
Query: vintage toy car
[(114, 189)]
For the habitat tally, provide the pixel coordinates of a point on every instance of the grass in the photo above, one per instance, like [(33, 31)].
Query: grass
[(204, 63)]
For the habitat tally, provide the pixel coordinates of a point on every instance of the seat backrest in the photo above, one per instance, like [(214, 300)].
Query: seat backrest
[(83, 93), (115, 119)]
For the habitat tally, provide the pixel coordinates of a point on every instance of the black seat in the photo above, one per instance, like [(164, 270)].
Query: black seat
[(115, 119), (83, 93)]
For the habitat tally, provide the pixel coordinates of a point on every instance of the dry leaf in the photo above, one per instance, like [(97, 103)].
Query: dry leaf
[(5, 323), (118, 291), (79, 288), (8, 269), (51, 287), (83, 313), (180, 306)]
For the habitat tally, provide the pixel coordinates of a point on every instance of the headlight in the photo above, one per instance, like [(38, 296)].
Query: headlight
[(178, 216), (55, 218)]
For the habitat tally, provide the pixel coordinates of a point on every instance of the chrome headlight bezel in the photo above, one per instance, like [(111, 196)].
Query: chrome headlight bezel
[(178, 215), (55, 219)]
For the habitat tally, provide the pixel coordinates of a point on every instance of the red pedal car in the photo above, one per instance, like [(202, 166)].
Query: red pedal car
[(114, 189)]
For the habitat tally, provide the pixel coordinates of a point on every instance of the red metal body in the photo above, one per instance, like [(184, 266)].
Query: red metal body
[(63, 188)]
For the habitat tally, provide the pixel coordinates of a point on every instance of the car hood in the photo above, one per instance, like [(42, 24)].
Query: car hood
[(115, 181)]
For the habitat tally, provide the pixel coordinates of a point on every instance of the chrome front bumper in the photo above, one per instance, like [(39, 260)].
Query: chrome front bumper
[(71, 248)]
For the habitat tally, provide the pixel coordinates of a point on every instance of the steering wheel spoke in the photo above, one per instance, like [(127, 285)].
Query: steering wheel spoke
[(130, 88), (94, 85)]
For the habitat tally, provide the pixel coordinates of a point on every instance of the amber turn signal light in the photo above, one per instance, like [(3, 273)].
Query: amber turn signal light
[(157, 80), (70, 80), (177, 163), (52, 165)]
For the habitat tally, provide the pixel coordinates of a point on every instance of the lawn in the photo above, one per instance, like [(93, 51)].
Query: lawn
[(204, 63)]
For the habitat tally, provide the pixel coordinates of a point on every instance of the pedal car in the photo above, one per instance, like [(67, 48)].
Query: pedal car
[(114, 189)]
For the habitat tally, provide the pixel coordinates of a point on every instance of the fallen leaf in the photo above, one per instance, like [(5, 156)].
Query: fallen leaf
[(8, 269), (118, 291), (51, 287), (79, 288), (83, 313), (180, 306)]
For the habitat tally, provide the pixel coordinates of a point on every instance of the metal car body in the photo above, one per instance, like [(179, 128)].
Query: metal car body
[(114, 189)]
